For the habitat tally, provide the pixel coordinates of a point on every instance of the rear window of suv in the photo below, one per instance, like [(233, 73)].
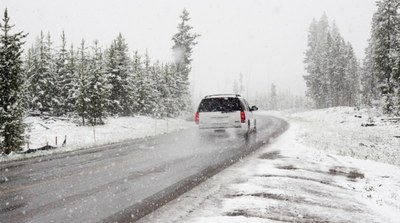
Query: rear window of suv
[(220, 105)]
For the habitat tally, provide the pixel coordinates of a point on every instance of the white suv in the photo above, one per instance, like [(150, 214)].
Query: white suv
[(226, 111)]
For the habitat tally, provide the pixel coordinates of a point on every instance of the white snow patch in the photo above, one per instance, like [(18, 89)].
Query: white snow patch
[(342, 131)]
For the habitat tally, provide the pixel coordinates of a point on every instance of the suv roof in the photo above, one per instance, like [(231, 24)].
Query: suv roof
[(222, 95)]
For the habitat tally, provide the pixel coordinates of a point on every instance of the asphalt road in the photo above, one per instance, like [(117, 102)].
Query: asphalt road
[(120, 182)]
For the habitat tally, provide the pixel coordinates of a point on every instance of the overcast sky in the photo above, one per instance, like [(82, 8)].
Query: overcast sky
[(263, 39)]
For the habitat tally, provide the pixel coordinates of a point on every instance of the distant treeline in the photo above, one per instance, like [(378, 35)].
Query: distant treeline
[(332, 69), (334, 77), (93, 82), (88, 81), (279, 100)]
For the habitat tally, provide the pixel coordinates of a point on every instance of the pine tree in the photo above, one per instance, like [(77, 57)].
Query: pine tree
[(238, 87), (152, 95), (163, 89), (82, 90), (385, 47), (235, 87), (241, 85), (352, 78), (62, 79), (11, 81), (328, 73), (274, 98), (69, 84), (172, 108), (369, 80), (53, 85), (159, 87), (119, 77), (28, 69), (42, 79), (316, 62), (338, 63), (97, 90), (184, 41), (145, 86), (137, 81)]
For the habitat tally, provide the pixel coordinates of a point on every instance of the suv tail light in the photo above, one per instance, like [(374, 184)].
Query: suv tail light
[(197, 118), (242, 117)]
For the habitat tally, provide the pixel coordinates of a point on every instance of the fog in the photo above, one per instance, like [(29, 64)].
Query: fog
[(263, 40)]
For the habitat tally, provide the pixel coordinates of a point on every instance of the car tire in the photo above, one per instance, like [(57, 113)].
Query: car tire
[(248, 132)]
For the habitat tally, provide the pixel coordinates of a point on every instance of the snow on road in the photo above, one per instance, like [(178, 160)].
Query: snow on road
[(301, 177), (45, 131)]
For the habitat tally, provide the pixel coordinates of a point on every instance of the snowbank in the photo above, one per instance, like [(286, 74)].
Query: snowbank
[(53, 132)]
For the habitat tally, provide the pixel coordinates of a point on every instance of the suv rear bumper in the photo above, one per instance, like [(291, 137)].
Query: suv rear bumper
[(223, 126), (240, 129)]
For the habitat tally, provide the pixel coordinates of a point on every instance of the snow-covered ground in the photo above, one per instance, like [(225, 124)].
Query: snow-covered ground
[(342, 131), (312, 173), (44, 132)]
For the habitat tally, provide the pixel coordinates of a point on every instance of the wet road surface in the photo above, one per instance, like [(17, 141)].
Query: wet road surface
[(120, 182)]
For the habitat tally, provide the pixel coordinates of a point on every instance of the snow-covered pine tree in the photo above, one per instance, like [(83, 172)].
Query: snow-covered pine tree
[(145, 87), (385, 47), (62, 78), (28, 68), (159, 86), (328, 75), (119, 77), (336, 68), (369, 80), (81, 93), (238, 87), (316, 63), (241, 85), (184, 41), (12, 127), (235, 87), (137, 73), (352, 78), (53, 86), (273, 98), (152, 95), (172, 108), (98, 89), (70, 84), (163, 89), (42, 79)]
